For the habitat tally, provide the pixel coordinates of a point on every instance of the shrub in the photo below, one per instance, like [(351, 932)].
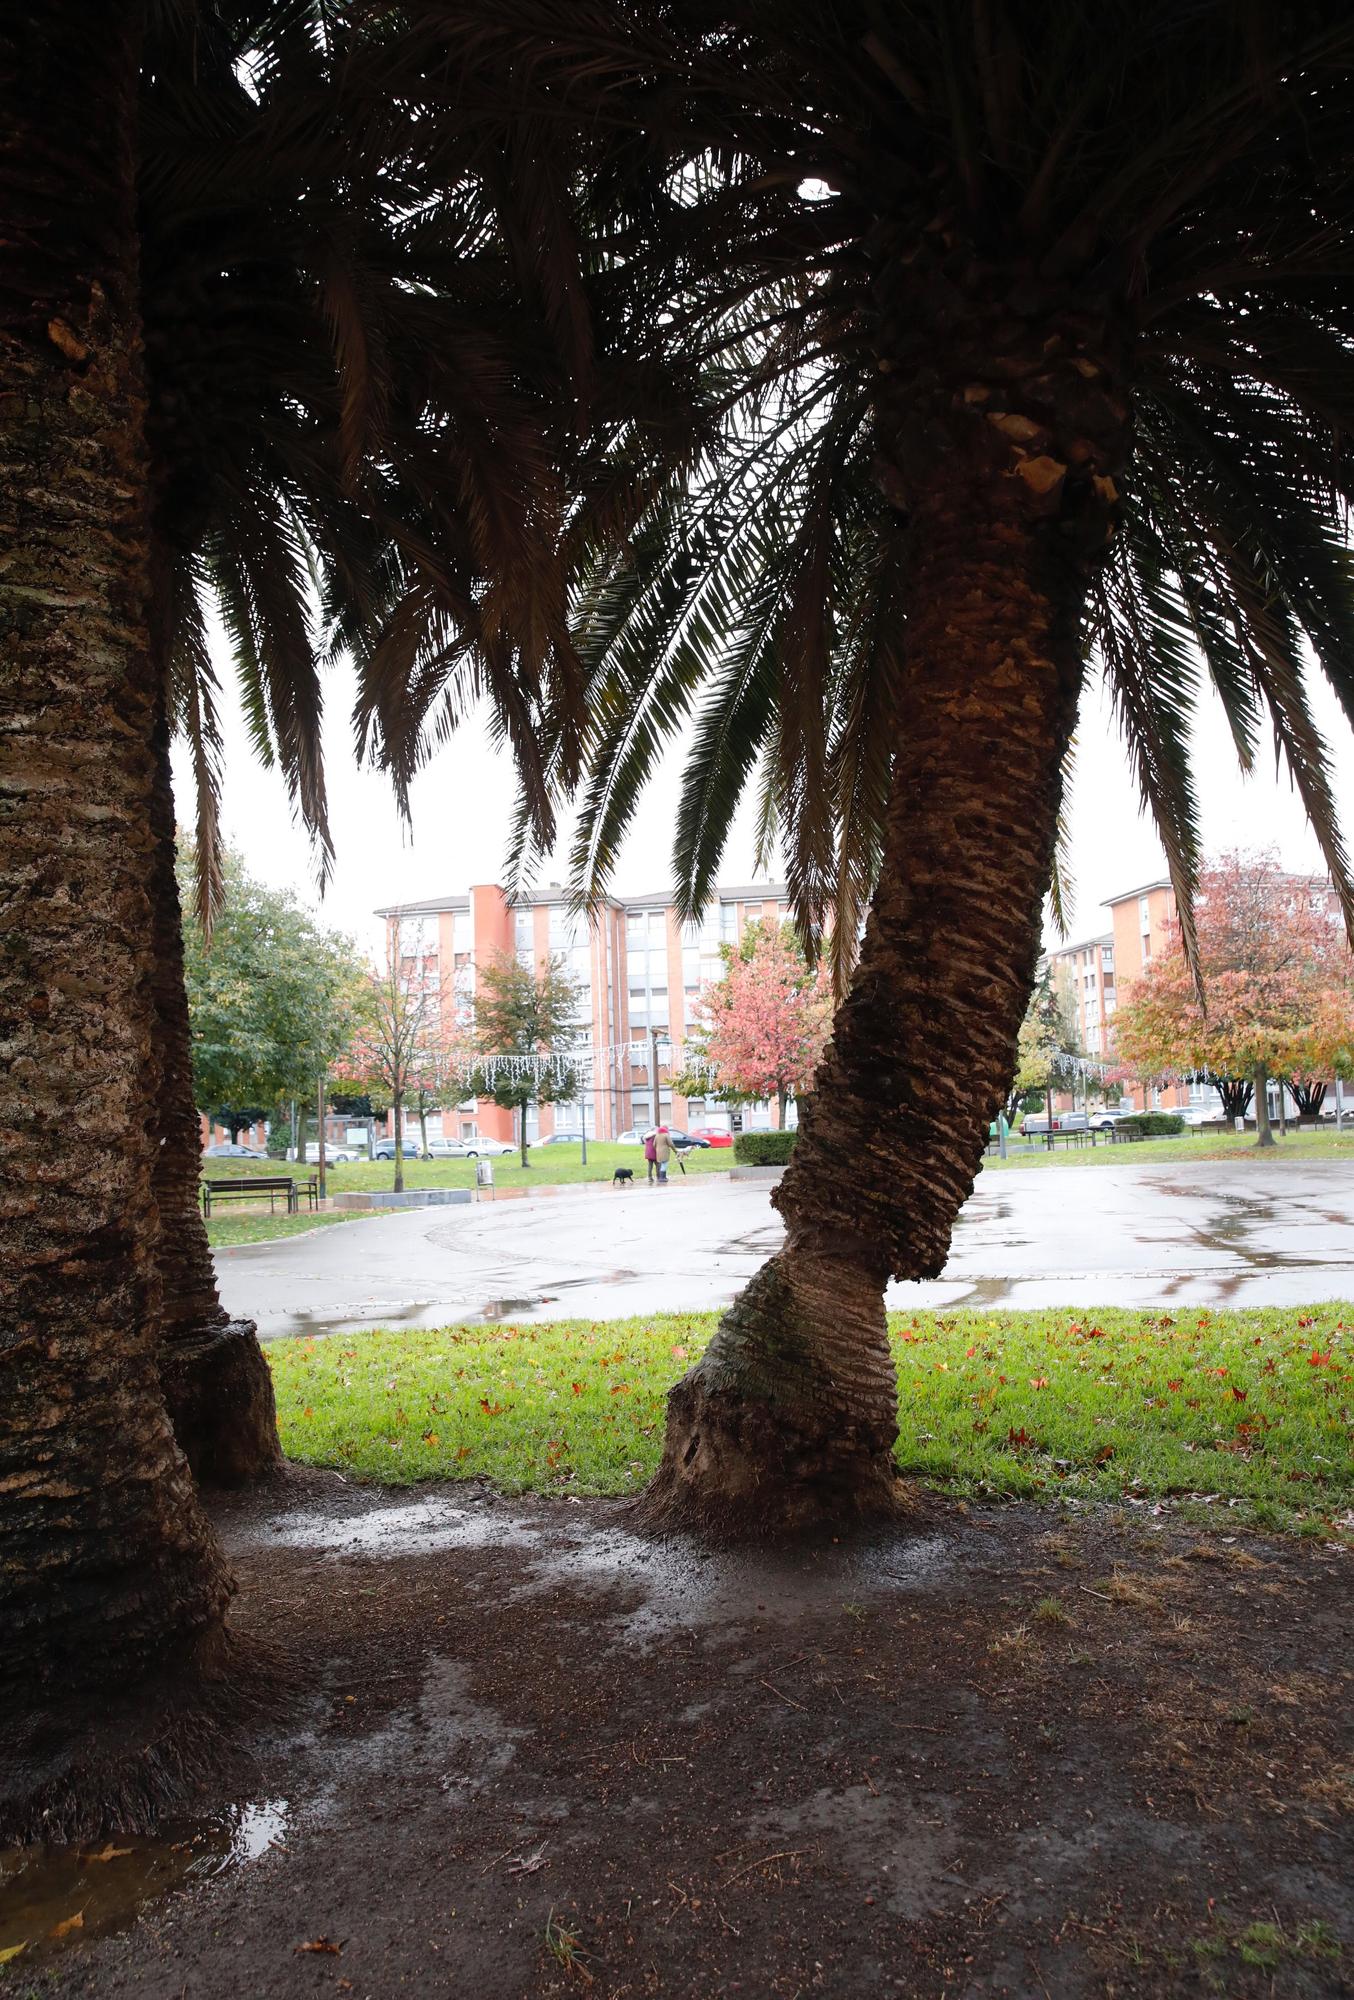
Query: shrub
[(763, 1149), (1153, 1124)]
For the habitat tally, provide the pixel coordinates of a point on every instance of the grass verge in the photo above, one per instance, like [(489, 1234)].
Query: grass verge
[(247, 1226), (1185, 1149), (1250, 1407)]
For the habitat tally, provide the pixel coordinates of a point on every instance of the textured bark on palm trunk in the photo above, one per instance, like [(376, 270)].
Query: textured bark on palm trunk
[(216, 1382), (109, 1574), (791, 1415)]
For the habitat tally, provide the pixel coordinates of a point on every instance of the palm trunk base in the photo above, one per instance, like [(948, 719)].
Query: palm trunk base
[(219, 1390), (71, 1770), (787, 1424)]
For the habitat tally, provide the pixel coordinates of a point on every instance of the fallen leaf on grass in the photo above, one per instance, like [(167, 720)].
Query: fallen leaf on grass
[(75, 1923), (9, 1951), (323, 1944)]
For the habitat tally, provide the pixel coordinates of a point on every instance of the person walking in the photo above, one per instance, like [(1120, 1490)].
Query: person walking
[(662, 1151), (651, 1154)]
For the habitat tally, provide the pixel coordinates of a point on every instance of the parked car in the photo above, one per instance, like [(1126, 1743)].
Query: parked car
[(384, 1149), (713, 1135), (688, 1142), (228, 1150), (473, 1148), (334, 1156), (1194, 1114), (1107, 1117), (561, 1139)]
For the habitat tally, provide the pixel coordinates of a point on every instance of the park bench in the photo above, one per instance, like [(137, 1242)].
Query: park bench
[(253, 1187)]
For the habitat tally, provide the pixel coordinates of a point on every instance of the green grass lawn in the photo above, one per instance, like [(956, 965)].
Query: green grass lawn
[(1184, 1150), (1255, 1407), (551, 1165), (242, 1224)]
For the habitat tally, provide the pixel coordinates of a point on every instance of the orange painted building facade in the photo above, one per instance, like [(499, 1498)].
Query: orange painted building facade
[(639, 971)]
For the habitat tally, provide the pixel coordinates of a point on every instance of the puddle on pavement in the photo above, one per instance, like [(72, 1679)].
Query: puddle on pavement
[(684, 1585), (676, 1583), (421, 1527), (53, 1898)]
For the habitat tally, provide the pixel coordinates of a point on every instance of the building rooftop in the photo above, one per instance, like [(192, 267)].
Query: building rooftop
[(556, 892), (1083, 944)]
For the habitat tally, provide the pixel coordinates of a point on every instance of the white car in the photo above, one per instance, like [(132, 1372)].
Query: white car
[(1107, 1116), (468, 1149), (334, 1156)]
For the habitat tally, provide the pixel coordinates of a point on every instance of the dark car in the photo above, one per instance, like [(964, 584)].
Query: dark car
[(384, 1149), (688, 1142)]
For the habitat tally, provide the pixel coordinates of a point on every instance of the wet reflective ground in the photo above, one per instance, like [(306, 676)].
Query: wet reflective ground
[(1064, 1752), (1235, 1232), (53, 1899)]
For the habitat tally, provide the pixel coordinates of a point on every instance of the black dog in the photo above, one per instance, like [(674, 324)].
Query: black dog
[(622, 1177)]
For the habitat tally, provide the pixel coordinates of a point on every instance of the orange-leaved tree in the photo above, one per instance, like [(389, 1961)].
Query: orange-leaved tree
[(1277, 994)]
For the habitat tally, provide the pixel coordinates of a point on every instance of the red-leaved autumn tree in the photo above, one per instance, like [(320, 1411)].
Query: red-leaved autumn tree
[(1278, 992), (760, 1030)]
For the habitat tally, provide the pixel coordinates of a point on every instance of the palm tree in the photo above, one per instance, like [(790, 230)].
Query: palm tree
[(338, 405), (108, 1571), (1013, 335), (251, 361)]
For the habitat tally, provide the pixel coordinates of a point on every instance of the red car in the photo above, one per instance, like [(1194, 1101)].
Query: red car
[(712, 1135)]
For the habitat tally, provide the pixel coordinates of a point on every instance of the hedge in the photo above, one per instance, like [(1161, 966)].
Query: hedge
[(1152, 1124), (763, 1149)]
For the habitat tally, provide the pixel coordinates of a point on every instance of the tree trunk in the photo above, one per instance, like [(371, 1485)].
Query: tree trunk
[(790, 1418), (216, 1382), (397, 1105), (109, 1574), (782, 1104), (1309, 1098), (422, 1125), (1264, 1132), (1235, 1092), (522, 1133)]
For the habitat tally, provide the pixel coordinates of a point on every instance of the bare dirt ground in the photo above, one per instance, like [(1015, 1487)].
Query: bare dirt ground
[(1006, 1752)]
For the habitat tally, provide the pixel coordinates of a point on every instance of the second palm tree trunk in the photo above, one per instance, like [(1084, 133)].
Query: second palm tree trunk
[(1004, 478), (216, 1381)]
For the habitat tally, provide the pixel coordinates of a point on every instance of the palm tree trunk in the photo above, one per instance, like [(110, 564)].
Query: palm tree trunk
[(216, 1382), (109, 1574), (791, 1415)]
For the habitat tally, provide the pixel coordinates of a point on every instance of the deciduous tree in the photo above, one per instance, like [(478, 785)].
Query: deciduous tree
[(525, 1024), (1274, 992), (759, 1031)]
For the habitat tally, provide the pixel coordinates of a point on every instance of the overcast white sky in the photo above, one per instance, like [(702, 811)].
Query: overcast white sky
[(462, 805)]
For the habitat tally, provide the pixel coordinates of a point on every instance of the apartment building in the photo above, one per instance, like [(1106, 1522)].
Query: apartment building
[(1098, 974), (639, 973)]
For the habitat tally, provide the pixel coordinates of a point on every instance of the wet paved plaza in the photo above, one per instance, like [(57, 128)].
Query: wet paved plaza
[(1235, 1232)]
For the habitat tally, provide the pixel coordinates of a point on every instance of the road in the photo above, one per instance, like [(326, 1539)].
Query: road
[(1237, 1232)]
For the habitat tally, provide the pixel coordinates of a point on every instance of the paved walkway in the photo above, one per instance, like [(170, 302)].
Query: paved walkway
[(1219, 1233)]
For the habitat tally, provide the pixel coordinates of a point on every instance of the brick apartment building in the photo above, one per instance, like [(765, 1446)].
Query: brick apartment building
[(639, 970), (1099, 973)]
